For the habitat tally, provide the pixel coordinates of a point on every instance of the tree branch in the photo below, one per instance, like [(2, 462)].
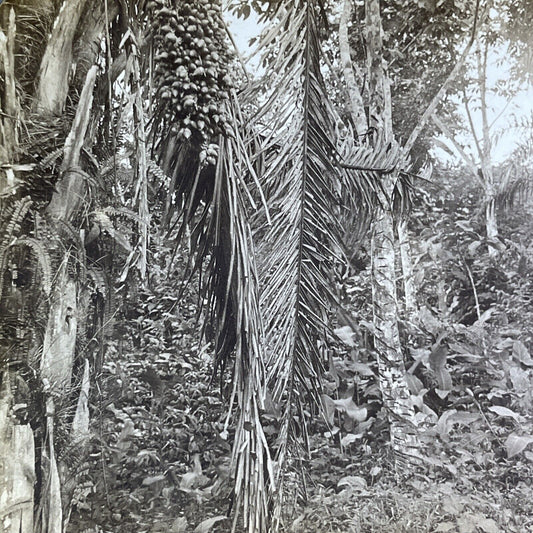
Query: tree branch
[(467, 159), (355, 99), (442, 91)]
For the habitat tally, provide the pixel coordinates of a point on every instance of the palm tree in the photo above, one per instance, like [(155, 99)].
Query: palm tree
[(50, 230)]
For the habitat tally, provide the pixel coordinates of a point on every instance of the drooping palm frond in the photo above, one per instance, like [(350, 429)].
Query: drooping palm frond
[(223, 237), (302, 181), (515, 184), (196, 133)]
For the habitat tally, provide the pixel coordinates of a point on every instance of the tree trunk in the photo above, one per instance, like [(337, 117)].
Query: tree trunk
[(8, 120), (395, 392), (491, 222), (17, 467), (410, 300), (355, 98), (17, 448), (8, 128), (54, 74), (65, 310), (485, 154), (394, 389)]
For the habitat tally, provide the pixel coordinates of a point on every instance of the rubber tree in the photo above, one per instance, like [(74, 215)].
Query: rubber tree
[(372, 112), (396, 395), (504, 31), (480, 163)]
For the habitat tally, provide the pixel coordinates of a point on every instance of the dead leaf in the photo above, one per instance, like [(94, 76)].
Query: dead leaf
[(179, 525), (206, 525)]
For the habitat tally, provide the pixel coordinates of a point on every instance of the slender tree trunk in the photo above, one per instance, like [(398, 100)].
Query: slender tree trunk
[(410, 300), (396, 395), (8, 129), (17, 448), (10, 108), (491, 221)]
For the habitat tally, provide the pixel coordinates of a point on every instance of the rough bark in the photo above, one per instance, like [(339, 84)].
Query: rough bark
[(60, 336), (410, 300), (380, 112), (70, 187), (87, 46), (394, 389), (54, 74), (396, 395), (51, 511)]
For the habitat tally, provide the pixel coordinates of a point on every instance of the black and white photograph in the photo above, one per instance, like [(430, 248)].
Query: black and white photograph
[(266, 266)]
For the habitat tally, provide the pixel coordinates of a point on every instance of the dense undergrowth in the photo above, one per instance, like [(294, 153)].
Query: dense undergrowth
[(160, 449)]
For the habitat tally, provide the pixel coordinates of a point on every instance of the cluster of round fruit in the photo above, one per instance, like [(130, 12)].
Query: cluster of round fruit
[(191, 64)]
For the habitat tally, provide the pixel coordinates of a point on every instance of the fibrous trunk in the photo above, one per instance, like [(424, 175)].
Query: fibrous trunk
[(17, 467), (53, 82)]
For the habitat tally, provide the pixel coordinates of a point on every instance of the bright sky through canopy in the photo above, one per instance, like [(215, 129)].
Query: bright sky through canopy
[(505, 113)]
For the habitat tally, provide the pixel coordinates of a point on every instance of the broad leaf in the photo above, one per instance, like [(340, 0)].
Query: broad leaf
[(504, 411), (517, 443)]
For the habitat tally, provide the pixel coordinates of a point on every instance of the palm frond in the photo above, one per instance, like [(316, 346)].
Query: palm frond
[(515, 183), (303, 185), (231, 289), (513, 191)]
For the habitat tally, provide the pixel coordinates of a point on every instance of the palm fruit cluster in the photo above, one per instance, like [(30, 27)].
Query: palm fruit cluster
[(191, 60)]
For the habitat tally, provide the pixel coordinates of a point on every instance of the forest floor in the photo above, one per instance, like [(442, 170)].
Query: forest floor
[(160, 460)]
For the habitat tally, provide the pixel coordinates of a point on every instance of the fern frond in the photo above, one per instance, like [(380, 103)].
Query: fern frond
[(158, 172), (18, 212), (50, 159), (14, 219), (123, 212), (100, 282)]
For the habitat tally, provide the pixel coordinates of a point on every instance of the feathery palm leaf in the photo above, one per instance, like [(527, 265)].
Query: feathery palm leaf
[(303, 186), (516, 183)]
